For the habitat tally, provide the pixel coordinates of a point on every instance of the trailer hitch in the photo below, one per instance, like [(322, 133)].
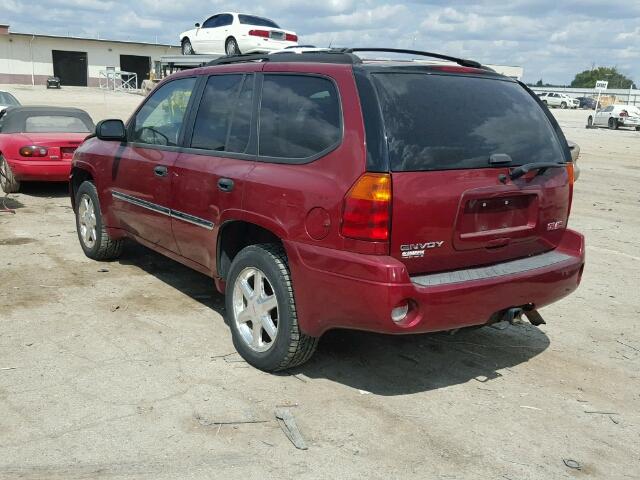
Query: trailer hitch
[(513, 315)]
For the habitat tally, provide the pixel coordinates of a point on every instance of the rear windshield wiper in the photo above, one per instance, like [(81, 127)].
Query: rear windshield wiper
[(541, 167)]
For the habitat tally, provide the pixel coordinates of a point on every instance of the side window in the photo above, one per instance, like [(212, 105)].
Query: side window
[(160, 119), (609, 109), (299, 116), (223, 121), (211, 22), (225, 19)]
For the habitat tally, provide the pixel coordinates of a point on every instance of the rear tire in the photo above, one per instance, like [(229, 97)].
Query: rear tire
[(187, 48), (8, 181), (590, 122), (93, 236), (261, 310), (563, 105), (231, 47), (613, 124)]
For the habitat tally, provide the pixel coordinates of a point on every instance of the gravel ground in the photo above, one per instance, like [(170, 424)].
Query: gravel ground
[(122, 370)]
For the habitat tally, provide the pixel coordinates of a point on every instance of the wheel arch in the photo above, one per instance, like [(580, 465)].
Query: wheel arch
[(77, 176), (234, 235)]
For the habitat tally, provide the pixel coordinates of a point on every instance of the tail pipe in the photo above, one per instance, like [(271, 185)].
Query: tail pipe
[(514, 314)]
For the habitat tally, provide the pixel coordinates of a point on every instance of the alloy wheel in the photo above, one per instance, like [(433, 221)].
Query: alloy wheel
[(87, 221), (255, 309)]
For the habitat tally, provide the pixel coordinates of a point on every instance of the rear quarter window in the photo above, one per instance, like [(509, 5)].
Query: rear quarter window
[(440, 122), (300, 117)]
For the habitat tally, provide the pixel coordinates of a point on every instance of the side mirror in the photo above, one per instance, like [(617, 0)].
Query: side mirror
[(197, 25), (111, 130)]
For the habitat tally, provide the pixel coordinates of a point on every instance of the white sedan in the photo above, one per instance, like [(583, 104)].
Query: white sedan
[(235, 33), (615, 116)]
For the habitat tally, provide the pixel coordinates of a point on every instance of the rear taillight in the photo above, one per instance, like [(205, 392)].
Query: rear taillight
[(366, 209), (259, 33), (33, 151), (290, 37), (624, 113)]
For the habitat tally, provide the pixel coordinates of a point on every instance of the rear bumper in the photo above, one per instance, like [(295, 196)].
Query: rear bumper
[(336, 289), (40, 170)]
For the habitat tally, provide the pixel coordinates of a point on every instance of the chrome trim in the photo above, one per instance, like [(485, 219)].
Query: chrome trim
[(492, 271), (141, 203), (185, 217)]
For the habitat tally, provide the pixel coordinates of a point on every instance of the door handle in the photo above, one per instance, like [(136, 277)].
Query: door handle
[(160, 171), (225, 184)]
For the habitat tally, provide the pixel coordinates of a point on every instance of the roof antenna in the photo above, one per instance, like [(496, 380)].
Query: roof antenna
[(330, 42)]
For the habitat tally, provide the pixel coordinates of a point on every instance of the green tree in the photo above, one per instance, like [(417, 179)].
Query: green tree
[(588, 78)]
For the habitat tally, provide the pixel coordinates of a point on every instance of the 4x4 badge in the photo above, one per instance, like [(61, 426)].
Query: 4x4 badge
[(413, 250)]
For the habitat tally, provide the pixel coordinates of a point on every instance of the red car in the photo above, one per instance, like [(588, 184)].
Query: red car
[(37, 143), (322, 191)]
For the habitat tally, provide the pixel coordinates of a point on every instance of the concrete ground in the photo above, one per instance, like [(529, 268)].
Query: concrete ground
[(124, 369)]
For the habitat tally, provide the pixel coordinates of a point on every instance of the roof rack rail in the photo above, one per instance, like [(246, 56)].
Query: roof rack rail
[(242, 57), (329, 55), (459, 61)]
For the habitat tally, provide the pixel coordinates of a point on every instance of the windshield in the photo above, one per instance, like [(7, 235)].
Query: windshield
[(55, 123), (7, 99), (442, 122), (257, 21)]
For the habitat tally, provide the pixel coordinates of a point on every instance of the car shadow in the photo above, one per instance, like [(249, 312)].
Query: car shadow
[(188, 281), (8, 203), (399, 365), (382, 364), (45, 189)]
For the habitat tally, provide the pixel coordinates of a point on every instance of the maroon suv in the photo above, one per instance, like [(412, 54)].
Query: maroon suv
[(322, 191)]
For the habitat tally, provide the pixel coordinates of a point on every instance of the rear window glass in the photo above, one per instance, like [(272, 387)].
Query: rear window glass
[(299, 116), (440, 122), (8, 99), (257, 21), (55, 123)]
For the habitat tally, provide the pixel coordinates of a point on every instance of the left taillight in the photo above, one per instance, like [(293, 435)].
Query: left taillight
[(259, 33), (290, 37), (33, 151), (366, 211)]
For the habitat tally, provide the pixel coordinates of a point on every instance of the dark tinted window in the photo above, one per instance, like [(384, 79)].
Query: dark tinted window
[(299, 116), (6, 99), (439, 122), (55, 123), (211, 22), (257, 21), (224, 20), (160, 119), (223, 122)]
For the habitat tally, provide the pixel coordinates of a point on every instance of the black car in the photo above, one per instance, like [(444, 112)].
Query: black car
[(53, 82), (588, 103)]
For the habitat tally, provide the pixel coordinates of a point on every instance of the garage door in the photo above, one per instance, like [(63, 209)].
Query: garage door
[(70, 67), (137, 64)]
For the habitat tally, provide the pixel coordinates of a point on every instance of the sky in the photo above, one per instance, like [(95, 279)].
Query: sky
[(552, 39)]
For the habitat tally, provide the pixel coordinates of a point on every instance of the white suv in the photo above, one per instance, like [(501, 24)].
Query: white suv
[(562, 100)]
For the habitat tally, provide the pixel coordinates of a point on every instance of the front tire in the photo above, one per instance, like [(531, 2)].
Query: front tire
[(613, 124), (590, 122), (563, 105), (231, 47), (8, 181), (187, 48), (93, 236), (261, 310)]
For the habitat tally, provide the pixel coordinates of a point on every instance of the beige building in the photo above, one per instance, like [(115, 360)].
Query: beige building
[(27, 58)]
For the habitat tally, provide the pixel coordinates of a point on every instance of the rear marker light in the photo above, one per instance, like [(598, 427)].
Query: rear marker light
[(398, 314), (366, 208), (33, 151)]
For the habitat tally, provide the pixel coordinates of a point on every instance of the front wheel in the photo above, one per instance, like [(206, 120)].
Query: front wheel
[(261, 310), (613, 124), (187, 49), (590, 122), (563, 105), (8, 181), (231, 47), (93, 236)]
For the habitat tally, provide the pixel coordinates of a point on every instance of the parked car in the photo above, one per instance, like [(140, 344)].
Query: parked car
[(235, 33), (37, 143), (7, 100), (323, 191), (615, 116), (53, 82), (561, 100), (588, 103)]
